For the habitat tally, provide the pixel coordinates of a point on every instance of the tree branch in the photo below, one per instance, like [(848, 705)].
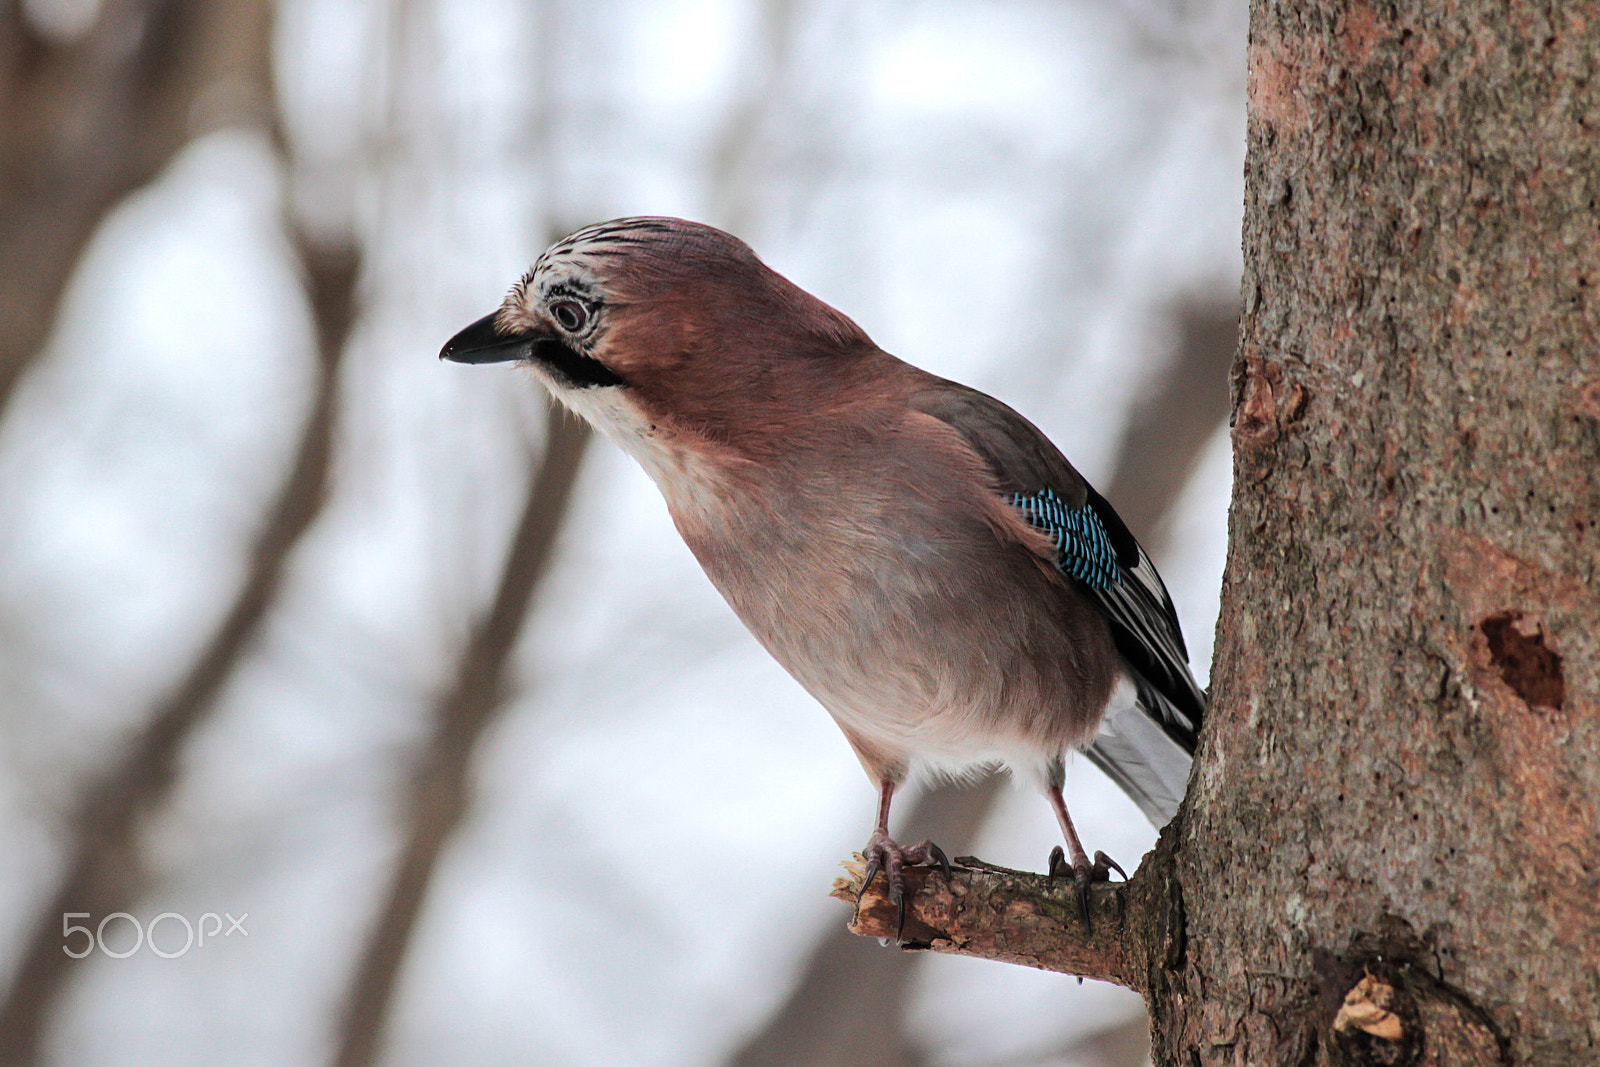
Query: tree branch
[(994, 913)]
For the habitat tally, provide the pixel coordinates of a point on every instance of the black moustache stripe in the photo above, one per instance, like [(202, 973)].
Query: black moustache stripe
[(572, 367)]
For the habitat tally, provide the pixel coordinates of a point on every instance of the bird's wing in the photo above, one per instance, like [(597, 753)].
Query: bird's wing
[(1095, 549)]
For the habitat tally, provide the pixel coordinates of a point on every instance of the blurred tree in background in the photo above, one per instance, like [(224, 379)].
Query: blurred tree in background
[(298, 625)]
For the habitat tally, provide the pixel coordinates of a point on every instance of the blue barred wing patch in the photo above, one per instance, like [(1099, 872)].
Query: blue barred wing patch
[(1082, 548)]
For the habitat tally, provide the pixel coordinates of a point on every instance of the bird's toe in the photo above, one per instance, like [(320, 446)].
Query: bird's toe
[(1084, 874), (883, 854)]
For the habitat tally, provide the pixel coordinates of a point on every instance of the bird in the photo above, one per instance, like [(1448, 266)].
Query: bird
[(915, 553)]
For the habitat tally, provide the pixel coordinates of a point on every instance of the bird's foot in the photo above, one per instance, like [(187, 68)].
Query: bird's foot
[(883, 854), (1084, 874)]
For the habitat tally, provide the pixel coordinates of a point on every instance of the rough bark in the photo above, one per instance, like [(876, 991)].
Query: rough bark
[(993, 913), (1401, 776), (1390, 852)]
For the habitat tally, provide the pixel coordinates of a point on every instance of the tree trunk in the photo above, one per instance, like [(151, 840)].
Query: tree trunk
[(1397, 792), (1390, 851)]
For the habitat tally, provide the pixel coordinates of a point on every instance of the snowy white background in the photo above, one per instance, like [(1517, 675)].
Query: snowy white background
[(1014, 194)]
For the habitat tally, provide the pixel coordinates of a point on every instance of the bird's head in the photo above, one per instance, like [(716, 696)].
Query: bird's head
[(671, 328)]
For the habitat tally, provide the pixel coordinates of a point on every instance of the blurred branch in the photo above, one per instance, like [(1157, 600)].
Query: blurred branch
[(437, 799), (105, 872), (85, 122), (847, 1010), (1124, 1044), (1183, 407), (735, 160)]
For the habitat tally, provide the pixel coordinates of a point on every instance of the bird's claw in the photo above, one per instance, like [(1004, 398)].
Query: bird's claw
[(1084, 874), (884, 855), (1104, 865)]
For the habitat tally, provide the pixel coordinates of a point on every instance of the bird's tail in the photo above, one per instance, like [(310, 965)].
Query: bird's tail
[(1138, 748)]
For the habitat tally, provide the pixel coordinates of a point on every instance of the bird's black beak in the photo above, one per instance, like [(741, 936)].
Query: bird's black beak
[(482, 343)]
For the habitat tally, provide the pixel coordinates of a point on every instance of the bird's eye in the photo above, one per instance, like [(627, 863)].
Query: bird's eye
[(570, 315)]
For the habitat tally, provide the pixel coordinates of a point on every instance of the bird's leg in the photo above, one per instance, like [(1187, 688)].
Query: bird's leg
[(1084, 873), (883, 854)]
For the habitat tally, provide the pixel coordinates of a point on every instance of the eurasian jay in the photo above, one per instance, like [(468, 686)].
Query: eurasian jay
[(915, 553)]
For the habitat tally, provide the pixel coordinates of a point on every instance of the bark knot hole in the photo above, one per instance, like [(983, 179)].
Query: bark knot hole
[(1525, 663)]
